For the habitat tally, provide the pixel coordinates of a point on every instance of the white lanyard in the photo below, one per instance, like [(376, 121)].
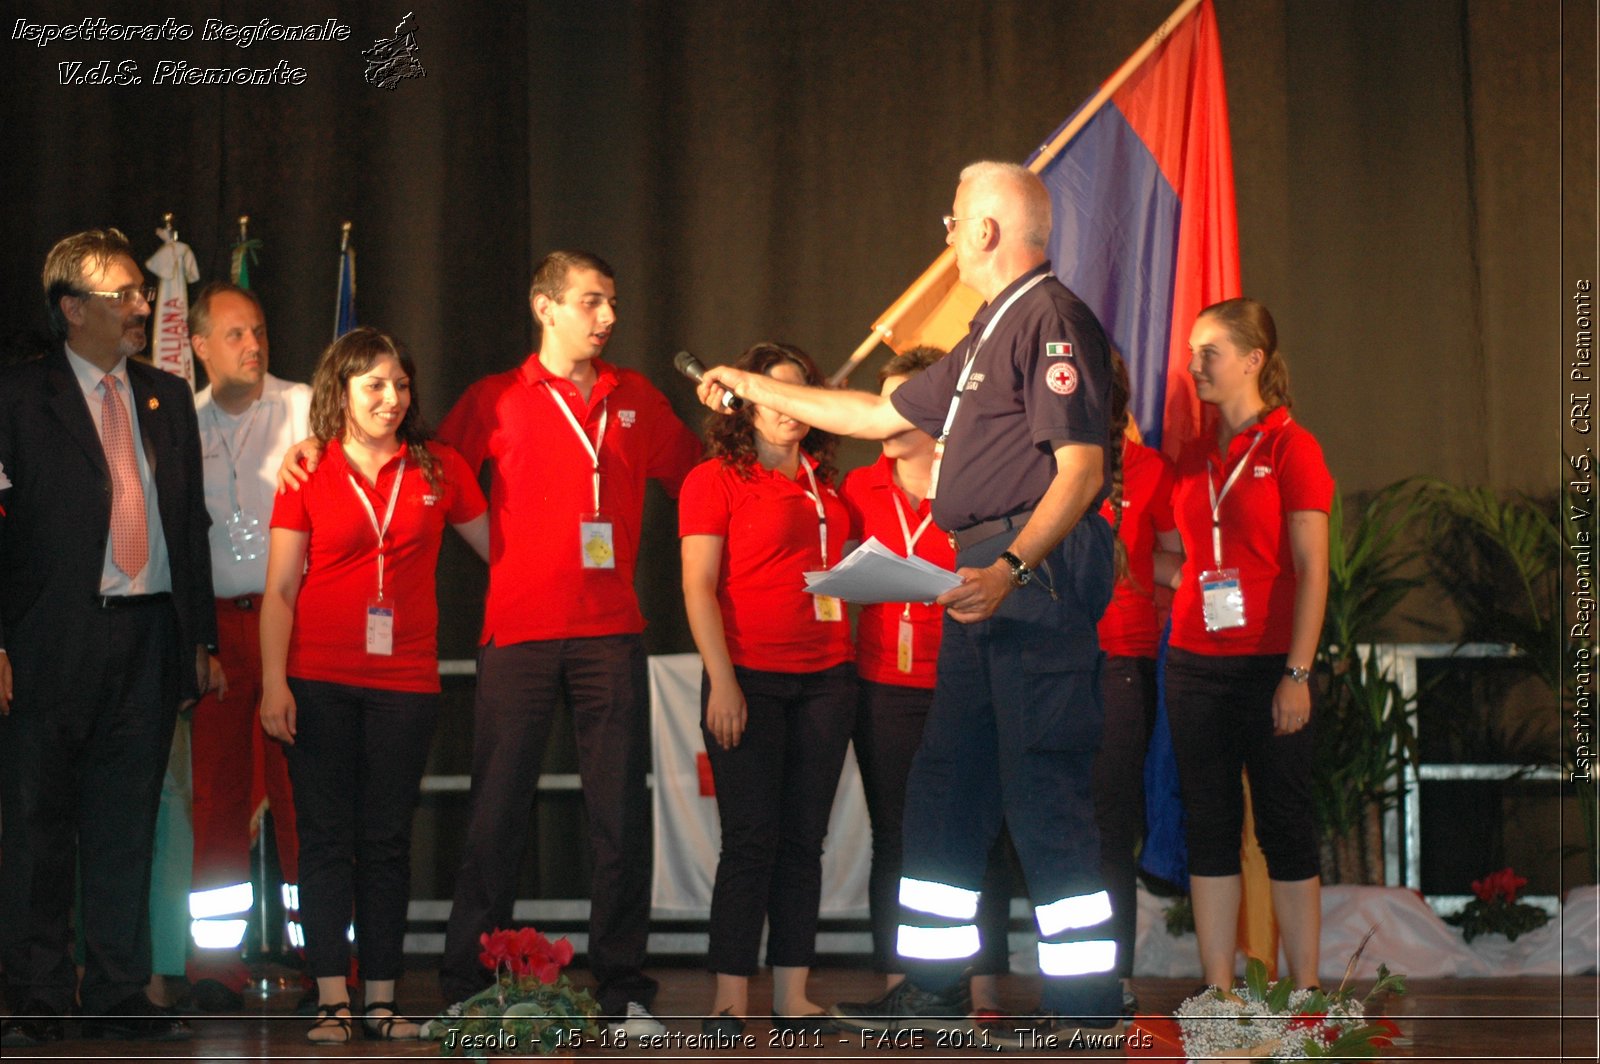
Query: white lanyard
[(966, 372), (815, 494), (905, 527), (1216, 499), (227, 447), (394, 497), (593, 447)]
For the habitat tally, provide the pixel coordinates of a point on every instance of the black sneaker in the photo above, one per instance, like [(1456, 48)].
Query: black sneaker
[(908, 1008), (213, 995)]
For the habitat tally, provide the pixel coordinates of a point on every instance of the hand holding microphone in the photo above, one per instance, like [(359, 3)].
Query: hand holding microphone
[(690, 367)]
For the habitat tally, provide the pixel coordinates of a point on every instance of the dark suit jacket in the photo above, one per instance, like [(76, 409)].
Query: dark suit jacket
[(57, 515)]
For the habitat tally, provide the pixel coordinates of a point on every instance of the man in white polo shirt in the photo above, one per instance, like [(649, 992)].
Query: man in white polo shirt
[(248, 418)]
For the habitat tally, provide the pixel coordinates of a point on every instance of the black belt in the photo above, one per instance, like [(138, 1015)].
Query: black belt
[(122, 602), (972, 535)]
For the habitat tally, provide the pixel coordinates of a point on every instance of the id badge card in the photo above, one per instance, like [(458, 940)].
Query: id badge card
[(246, 539), (902, 655), (1222, 599), (599, 548), (380, 628), (828, 607)]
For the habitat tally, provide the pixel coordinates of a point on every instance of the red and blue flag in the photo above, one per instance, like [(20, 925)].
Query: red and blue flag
[(1145, 230)]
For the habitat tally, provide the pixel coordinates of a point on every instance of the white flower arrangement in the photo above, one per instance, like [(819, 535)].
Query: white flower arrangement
[(1275, 1021)]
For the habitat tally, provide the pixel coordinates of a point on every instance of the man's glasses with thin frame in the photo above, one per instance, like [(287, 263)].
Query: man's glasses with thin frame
[(123, 296)]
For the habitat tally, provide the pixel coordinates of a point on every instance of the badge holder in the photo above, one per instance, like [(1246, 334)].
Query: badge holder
[(1222, 599), (380, 627), (245, 538), (902, 657), (828, 607), (599, 548)]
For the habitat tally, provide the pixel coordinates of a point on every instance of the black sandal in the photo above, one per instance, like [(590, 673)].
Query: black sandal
[(329, 1020), (381, 1028)]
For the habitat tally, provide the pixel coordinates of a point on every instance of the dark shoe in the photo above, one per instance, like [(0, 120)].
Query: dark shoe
[(723, 1025), (908, 1008), (212, 995), (138, 1019), (390, 1027), (331, 1029), (34, 1025), (812, 1023)]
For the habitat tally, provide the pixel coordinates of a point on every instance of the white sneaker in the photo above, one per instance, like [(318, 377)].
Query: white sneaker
[(435, 1028), (638, 1023)]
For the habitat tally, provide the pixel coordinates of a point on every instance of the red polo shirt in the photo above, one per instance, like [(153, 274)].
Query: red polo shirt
[(876, 505), (329, 640), (1284, 473), (541, 487), (1129, 628), (770, 536)]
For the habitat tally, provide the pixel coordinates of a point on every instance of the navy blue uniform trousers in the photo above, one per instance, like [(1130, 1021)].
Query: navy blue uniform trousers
[(1012, 734)]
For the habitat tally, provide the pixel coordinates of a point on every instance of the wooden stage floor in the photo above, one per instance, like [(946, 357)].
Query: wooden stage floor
[(1515, 1019)]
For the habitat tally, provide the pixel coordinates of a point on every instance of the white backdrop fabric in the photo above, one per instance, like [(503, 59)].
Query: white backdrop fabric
[(688, 834)]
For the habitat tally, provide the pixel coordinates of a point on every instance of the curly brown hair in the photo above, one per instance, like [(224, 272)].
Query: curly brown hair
[(351, 355), (731, 436)]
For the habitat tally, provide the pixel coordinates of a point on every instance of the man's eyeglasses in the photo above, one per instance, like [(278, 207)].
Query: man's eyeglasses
[(950, 221), (124, 296)]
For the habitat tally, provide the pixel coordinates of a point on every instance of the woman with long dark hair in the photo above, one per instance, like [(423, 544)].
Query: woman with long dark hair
[(778, 693), (1252, 507), (350, 671)]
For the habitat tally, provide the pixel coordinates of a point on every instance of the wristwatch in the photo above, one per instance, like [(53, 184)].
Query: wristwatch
[(1297, 675), (1020, 573)]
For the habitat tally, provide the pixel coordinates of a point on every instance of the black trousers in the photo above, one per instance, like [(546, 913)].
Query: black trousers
[(1220, 711), (888, 730), (774, 793), (604, 680), (80, 782), (1128, 686), (356, 766)]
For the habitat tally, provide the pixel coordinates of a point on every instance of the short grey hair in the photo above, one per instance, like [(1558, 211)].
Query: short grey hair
[(1017, 186)]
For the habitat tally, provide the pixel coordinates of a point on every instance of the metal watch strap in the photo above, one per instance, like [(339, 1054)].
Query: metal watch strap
[(1297, 675), (1020, 573)]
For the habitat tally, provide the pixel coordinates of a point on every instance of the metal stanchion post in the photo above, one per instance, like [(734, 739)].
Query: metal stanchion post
[(263, 985)]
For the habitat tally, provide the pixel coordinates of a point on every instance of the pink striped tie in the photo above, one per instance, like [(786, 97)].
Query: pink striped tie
[(130, 539)]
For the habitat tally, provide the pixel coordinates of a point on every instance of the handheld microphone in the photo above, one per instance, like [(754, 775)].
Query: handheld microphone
[(690, 367)]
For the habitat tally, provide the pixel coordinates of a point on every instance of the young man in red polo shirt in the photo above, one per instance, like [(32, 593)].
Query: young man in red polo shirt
[(570, 440)]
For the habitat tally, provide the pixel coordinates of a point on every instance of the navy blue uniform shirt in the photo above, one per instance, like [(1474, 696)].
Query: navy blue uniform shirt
[(1044, 374)]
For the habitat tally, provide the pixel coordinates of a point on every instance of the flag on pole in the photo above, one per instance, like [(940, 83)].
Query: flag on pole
[(1145, 230), (174, 264), (1141, 187), (244, 254), (344, 317)]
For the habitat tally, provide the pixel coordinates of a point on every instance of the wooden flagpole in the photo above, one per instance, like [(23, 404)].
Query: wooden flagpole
[(940, 270)]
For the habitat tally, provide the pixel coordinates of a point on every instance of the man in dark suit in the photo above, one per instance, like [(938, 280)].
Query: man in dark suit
[(106, 615)]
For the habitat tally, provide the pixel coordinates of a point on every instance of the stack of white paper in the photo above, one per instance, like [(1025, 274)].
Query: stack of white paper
[(874, 573)]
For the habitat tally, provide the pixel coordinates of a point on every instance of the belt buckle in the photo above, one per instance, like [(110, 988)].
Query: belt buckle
[(244, 604)]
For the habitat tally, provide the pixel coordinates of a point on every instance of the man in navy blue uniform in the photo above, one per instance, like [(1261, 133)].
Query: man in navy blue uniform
[(1020, 410)]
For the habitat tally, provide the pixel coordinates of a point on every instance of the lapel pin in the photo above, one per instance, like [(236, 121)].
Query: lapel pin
[(153, 403)]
